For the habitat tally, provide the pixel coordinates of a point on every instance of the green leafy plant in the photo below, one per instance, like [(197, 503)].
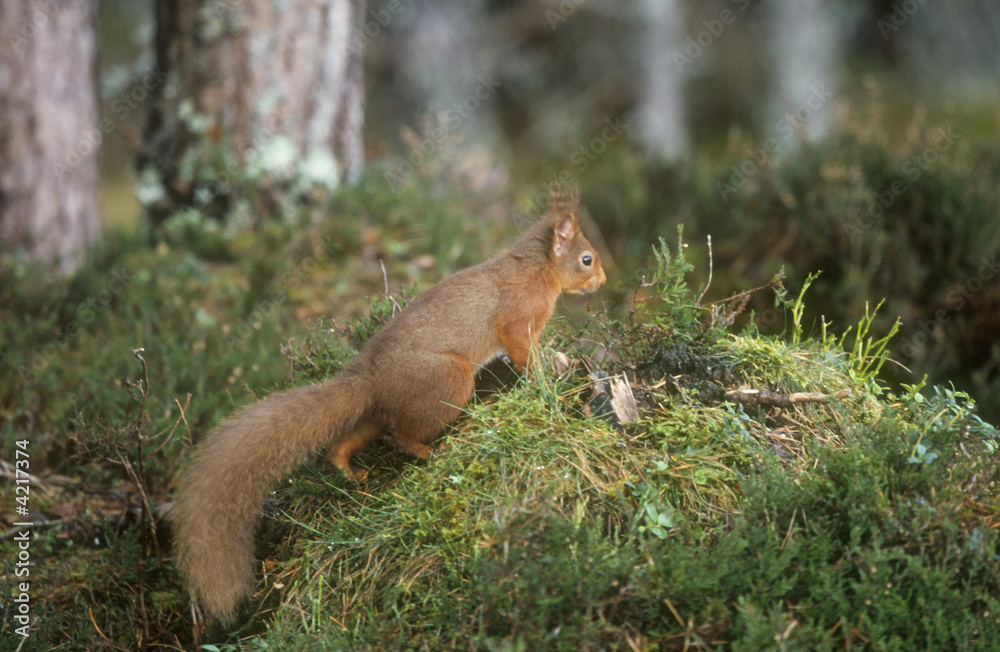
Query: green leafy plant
[(798, 306), (652, 514)]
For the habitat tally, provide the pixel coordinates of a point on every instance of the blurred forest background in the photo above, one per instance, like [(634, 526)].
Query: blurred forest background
[(856, 138)]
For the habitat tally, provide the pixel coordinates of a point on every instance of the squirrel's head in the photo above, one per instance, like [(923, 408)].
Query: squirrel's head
[(577, 263)]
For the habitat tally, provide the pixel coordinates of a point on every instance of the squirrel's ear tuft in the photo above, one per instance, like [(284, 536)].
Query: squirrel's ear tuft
[(564, 232), (564, 200)]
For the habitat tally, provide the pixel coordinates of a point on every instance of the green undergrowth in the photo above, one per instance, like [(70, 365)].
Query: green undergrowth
[(109, 375), (901, 209), (865, 520), (211, 323), (68, 344)]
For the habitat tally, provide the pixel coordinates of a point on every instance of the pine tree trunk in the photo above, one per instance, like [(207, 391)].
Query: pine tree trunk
[(662, 112), (807, 54), (269, 89), (49, 133)]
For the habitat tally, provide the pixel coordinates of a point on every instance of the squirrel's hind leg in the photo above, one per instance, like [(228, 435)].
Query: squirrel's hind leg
[(418, 420), (340, 452)]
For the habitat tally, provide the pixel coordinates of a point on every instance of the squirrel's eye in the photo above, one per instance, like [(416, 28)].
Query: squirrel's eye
[(587, 260)]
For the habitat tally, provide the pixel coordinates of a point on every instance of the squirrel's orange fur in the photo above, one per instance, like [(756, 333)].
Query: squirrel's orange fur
[(412, 377)]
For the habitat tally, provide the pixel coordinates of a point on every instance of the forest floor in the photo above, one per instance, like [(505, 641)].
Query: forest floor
[(782, 487)]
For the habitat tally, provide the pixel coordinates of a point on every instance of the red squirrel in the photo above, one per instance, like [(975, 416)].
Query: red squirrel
[(411, 378)]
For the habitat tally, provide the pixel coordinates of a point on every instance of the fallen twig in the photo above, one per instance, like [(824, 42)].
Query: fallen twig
[(752, 397)]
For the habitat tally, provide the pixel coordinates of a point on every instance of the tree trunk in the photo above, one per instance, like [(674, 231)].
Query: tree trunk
[(255, 89), (49, 133), (807, 55), (662, 111)]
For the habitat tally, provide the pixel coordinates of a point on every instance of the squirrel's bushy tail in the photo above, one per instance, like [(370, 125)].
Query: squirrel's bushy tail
[(216, 513)]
